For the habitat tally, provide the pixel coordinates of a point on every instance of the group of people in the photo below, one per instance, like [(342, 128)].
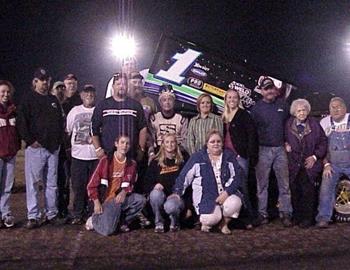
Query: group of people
[(121, 155)]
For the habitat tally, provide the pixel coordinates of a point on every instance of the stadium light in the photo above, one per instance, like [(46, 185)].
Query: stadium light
[(123, 46)]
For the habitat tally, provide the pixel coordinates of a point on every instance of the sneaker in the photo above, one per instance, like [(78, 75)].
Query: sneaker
[(9, 221), (205, 228), (225, 230), (77, 221), (88, 224), (144, 222), (32, 224), (174, 228), (322, 224), (159, 228), (286, 221), (124, 228)]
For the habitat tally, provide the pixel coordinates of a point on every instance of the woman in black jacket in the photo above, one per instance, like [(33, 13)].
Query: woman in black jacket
[(240, 136)]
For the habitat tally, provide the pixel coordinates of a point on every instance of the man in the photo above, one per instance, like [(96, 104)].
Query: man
[(337, 162), (136, 91), (117, 115), (58, 90), (84, 159), (167, 121), (71, 99), (63, 170), (71, 96), (269, 115), (40, 123)]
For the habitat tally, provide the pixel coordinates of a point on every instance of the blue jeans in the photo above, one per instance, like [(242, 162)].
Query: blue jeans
[(327, 193), (7, 177), (244, 164), (277, 158), (107, 222), (38, 162), (172, 207)]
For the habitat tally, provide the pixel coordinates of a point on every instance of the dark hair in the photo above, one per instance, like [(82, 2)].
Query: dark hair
[(9, 85), (119, 75)]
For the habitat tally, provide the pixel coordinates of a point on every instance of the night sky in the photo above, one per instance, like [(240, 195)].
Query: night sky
[(301, 42)]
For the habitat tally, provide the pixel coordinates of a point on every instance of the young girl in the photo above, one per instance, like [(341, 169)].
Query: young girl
[(9, 145), (118, 173), (160, 178)]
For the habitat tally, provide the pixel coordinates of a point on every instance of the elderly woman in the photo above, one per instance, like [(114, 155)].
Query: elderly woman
[(241, 137), (306, 145), (160, 179), (215, 177), (120, 204), (201, 124)]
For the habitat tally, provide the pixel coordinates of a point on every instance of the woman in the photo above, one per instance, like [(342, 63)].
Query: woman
[(118, 173), (241, 137), (160, 178), (9, 145), (215, 177), (201, 124), (306, 145)]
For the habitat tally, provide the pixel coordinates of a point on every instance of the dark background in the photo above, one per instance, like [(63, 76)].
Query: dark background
[(302, 42)]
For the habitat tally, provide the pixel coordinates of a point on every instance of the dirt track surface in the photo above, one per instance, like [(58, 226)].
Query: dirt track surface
[(72, 247)]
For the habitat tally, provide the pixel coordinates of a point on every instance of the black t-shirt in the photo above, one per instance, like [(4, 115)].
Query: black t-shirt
[(166, 176), (112, 118)]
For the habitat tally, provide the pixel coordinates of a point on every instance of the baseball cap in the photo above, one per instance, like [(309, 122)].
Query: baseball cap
[(57, 84), (266, 83), (88, 88), (41, 74)]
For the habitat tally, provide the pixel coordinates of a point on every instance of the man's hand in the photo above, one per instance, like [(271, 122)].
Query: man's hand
[(120, 198), (100, 153), (309, 162), (221, 198), (35, 145), (97, 207)]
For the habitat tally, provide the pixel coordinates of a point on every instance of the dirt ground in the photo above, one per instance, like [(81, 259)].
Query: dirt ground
[(72, 247)]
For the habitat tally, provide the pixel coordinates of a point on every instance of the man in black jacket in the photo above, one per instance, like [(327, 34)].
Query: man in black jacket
[(40, 123)]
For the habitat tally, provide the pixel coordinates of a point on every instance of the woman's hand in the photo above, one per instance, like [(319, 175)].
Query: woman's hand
[(158, 187), (120, 198), (97, 207), (221, 198), (327, 171), (174, 195)]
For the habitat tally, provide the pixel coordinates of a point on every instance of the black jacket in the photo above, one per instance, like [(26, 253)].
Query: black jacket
[(40, 119), (244, 136)]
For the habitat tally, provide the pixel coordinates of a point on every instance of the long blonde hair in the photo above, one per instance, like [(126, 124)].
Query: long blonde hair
[(227, 111), (161, 153)]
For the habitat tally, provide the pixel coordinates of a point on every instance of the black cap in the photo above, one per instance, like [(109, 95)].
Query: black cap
[(88, 88), (41, 74)]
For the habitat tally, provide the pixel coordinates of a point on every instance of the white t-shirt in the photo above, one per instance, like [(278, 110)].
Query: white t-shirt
[(339, 126), (79, 125)]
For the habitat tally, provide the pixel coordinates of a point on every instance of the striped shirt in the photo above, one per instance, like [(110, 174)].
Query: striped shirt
[(198, 129)]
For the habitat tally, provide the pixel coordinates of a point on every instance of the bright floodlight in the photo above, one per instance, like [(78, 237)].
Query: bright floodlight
[(123, 46)]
